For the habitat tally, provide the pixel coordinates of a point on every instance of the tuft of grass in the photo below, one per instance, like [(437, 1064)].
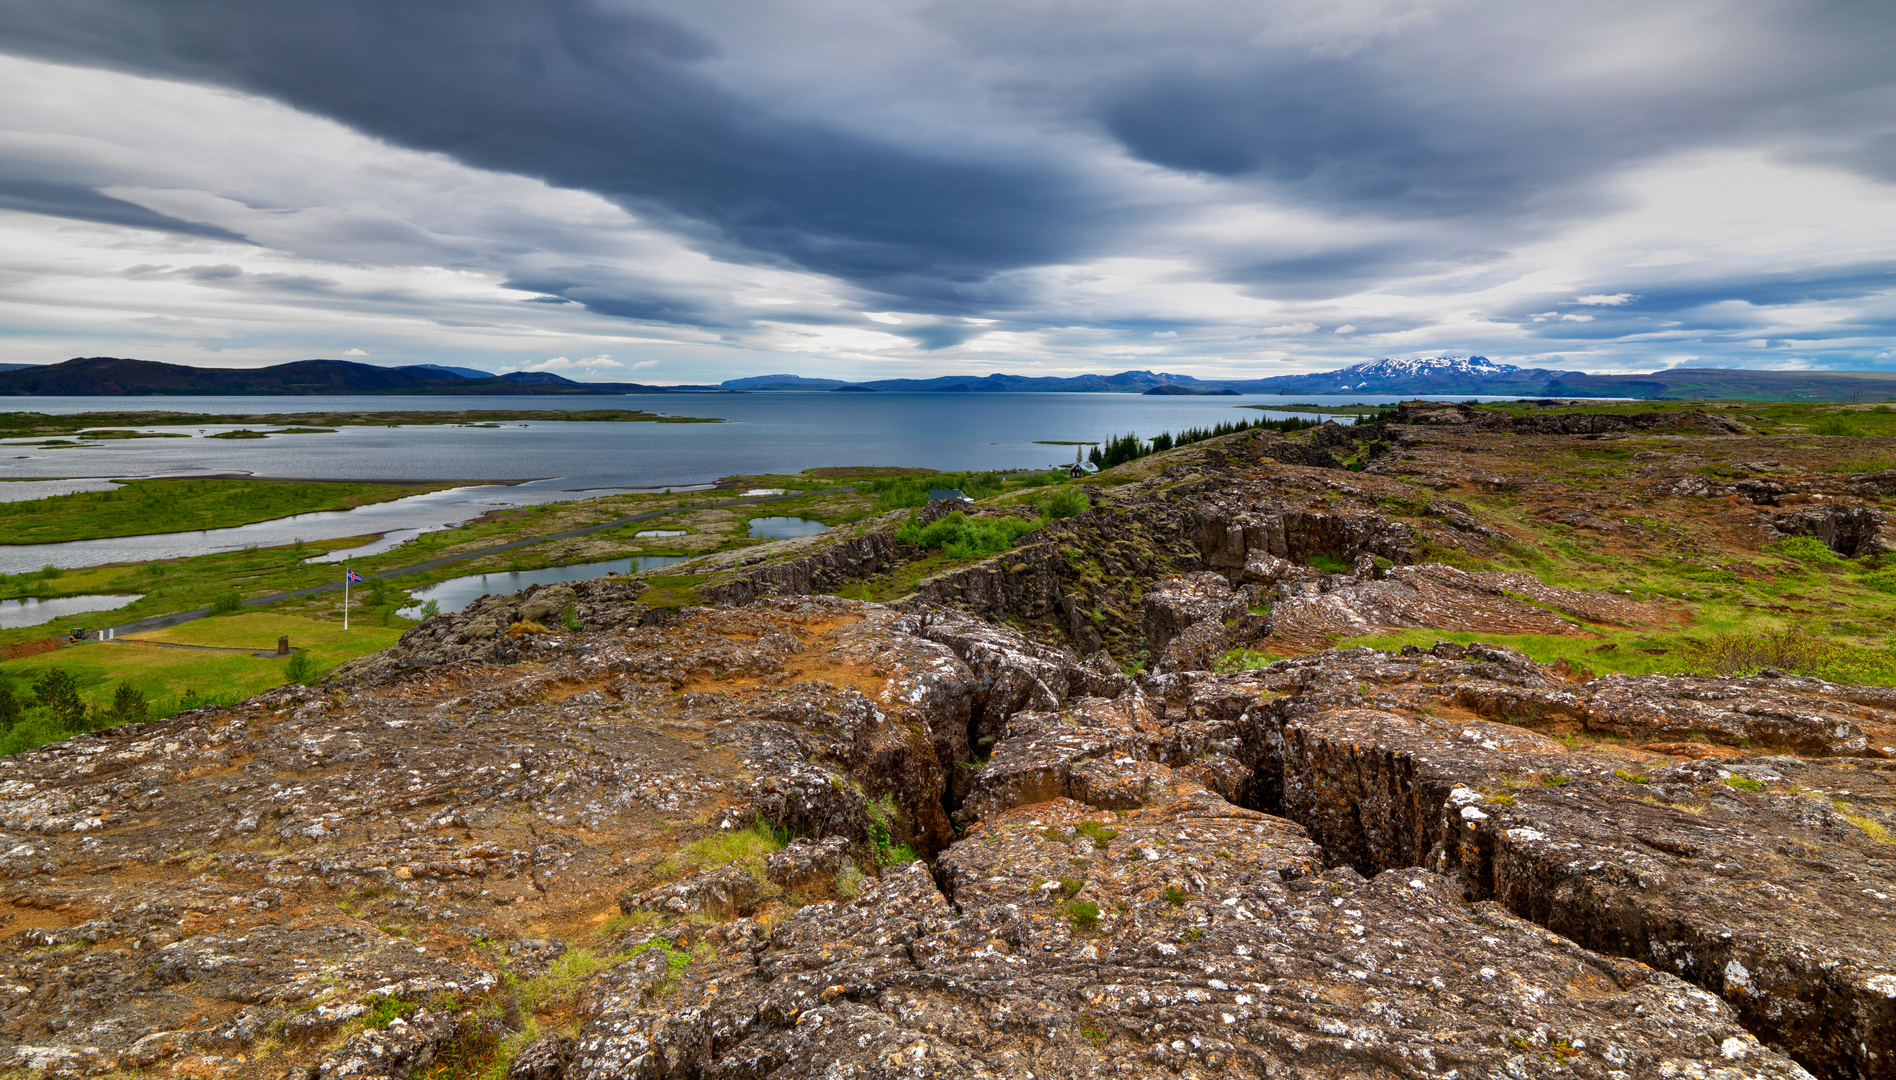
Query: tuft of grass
[(1632, 777), (384, 1011), (561, 983), (885, 827), (1871, 827), (526, 626), (1083, 915), (728, 847), (1174, 896), (1097, 831), (1070, 887), (1743, 783)]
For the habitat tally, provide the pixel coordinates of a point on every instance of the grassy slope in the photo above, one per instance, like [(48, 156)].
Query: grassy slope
[(1701, 558)]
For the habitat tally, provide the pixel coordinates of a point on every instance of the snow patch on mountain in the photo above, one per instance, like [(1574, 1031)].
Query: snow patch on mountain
[(1357, 376)]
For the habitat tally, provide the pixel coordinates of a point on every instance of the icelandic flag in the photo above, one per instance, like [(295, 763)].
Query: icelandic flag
[(354, 578)]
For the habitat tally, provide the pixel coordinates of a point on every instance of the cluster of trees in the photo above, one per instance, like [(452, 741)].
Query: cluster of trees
[(51, 709), (1129, 447)]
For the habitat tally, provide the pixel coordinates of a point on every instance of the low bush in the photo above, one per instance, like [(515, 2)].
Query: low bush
[(228, 603), (1806, 549), (1793, 651), (962, 537), (899, 491)]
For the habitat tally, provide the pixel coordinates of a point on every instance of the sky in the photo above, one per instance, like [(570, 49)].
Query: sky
[(692, 191)]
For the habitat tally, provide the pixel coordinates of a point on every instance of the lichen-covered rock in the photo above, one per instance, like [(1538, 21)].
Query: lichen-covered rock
[(1191, 937), (806, 864)]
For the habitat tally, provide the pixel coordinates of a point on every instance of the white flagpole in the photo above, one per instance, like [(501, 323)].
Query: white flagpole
[(345, 596)]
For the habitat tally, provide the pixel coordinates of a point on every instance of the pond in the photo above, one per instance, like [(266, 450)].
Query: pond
[(657, 532), (31, 612), (784, 528), (457, 593)]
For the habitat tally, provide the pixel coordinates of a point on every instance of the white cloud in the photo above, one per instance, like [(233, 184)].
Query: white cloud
[(1165, 333), (1346, 328), (1576, 318), (354, 352), (1605, 299)]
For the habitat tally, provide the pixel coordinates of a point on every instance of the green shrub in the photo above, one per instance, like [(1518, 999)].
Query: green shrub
[(300, 669), (569, 617), (128, 705), (1070, 887), (1806, 549), (1174, 896), (961, 537), (1083, 915), (1064, 502), (1097, 831), (228, 603), (9, 705), (57, 692), (1835, 425), (430, 609), (1744, 784)]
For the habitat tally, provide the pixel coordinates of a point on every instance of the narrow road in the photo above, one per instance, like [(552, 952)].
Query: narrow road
[(159, 622)]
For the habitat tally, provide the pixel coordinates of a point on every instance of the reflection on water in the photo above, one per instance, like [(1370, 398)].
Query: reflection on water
[(658, 532), (456, 593), (30, 612), (784, 528)]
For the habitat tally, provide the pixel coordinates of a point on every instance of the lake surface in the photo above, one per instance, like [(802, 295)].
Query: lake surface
[(457, 593), (784, 528), (30, 612), (765, 433)]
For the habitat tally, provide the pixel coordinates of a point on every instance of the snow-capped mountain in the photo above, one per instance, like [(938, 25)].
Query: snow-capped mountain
[(1381, 372), (1422, 375)]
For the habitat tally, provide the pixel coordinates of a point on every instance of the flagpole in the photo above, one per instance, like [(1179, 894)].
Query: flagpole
[(345, 596)]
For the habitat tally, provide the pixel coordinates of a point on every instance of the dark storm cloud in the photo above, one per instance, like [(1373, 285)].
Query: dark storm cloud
[(1479, 114), (85, 204), (1414, 148), (590, 98)]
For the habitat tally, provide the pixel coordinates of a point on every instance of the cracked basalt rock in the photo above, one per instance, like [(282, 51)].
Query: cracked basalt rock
[(1188, 937), (1440, 862)]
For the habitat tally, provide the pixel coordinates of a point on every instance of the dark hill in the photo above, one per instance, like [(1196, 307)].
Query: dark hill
[(109, 375)]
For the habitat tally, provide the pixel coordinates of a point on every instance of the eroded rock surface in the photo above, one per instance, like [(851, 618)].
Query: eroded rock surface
[(1032, 828)]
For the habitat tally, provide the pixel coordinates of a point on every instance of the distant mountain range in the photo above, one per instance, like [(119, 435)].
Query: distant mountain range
[(1438, 375), (98, 375)]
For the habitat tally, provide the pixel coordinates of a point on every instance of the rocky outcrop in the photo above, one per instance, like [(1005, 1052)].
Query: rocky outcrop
[(1448, 413)]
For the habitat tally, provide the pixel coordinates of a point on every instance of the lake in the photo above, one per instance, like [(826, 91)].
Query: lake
[(764, 433), (457, 593), (31, 612)]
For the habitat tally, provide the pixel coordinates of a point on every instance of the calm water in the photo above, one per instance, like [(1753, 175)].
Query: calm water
[(457, 593), (17, 613), (784, 528), (764, 433)]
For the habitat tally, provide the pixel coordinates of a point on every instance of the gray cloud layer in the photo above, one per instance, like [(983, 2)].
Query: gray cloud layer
[(935, 171)]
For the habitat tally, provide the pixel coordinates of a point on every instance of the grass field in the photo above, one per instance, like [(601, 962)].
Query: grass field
[(172, 680), (143, 507)]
